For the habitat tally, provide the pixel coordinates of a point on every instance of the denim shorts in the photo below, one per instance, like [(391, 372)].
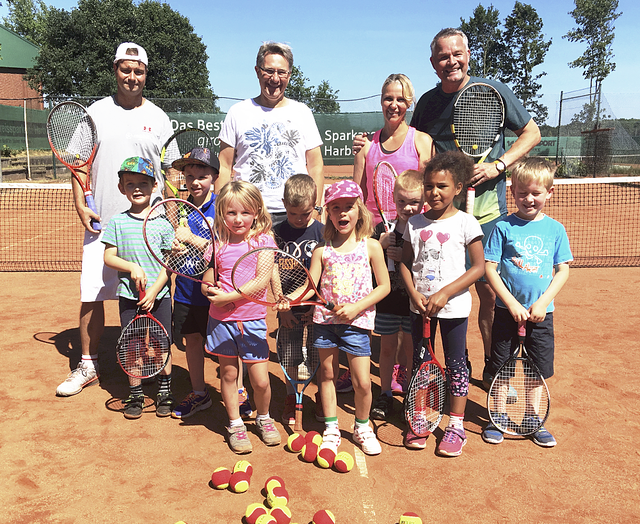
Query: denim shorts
[(389, 324), (245, 339), (348, 338)]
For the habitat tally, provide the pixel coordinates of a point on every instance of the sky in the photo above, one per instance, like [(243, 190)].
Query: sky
[(356, 45)]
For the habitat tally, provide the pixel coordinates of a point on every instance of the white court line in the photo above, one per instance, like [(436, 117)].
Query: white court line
[(367, 501)]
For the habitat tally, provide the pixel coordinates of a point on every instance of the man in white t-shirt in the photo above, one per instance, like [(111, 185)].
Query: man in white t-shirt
[(127, 125), (269, 138)]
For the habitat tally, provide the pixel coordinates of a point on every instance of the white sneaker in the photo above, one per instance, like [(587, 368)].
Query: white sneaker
[(331, 440), (367, 440), (79, 378)]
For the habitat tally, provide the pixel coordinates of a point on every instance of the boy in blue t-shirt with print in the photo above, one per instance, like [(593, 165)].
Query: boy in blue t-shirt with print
[(298, 235), (126, 252), (190, 307), (527, 246)]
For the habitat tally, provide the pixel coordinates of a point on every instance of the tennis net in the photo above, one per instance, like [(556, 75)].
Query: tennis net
[(40, 230)]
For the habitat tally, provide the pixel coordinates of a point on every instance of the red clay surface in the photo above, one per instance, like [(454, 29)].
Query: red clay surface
[(70, 460)]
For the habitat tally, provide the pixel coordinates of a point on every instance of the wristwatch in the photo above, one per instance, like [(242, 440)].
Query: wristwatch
[(500, 166), (318, 210)]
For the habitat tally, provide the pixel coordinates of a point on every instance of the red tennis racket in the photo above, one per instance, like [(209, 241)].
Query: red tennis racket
[(424, 402), (526, 410), (384, 179), (74, 140), (269, 276), (180, 237), (144, 346)]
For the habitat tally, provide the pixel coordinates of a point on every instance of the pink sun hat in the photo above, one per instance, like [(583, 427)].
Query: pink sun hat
[(342, 189)]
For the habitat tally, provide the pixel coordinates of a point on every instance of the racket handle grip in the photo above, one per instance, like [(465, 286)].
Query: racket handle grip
[(471, 199), (330, 306), (88, 196), (426, 327), (142, 294)]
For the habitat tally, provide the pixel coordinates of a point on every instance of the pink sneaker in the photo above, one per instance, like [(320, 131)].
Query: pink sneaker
[(452, 443), (399, 380), (412, 441)]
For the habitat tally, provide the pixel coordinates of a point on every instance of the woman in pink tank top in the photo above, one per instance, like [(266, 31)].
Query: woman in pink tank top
[(397, 143)]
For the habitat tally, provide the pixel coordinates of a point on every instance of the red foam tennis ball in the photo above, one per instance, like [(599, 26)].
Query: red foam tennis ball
[(343, 462), (243, 465), (410, 518), (295, 443), (220, 478), (309, 452), (266, 519), (324, 516), (239, 481), (282, 514), (273, 482), (254, 511), (325, 458), (311, 435), (278, 497)]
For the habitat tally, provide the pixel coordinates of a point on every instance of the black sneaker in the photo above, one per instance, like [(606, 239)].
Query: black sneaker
[(164, 404), (134, 404), (382, 408)]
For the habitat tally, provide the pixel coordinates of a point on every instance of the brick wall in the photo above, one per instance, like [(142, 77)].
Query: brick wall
[(14, 88)]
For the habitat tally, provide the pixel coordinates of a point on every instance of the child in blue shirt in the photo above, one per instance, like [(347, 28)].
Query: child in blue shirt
[(533, 254)]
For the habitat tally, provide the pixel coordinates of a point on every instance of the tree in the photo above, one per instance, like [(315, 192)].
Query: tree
[(77, 49), (525, 48), (595, 27), (320, 100), (485, 41), (26, 18)]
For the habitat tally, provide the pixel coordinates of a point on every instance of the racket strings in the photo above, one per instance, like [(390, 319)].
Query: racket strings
[(518, 399), (296, 352), (425, 400), (143, 347), (383, 183), (477, 119), (180, 238), (72, 133)]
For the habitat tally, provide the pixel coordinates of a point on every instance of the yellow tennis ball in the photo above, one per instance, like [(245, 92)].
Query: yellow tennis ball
[(309, 452), (243, 465), (410, 518), (325, 458), (278, 497), (220, 478), (343, 462), (324, 516), (295, 443), (254, 511), (266, 519), (282, 514), (273, 482), (239, 481)]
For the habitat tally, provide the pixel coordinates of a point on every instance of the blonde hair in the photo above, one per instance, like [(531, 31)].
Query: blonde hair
[(409, 180), (533, 169), (300, 190), (250, 197), (364, 225), (407, 87)]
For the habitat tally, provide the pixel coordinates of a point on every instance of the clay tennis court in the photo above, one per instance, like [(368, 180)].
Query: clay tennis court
[(71, 460)]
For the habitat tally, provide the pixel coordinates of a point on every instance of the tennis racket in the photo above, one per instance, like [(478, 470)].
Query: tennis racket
[(476, 123), (424, 401), (527, 412), (384, 178), (269, 276), (298, 358), (178, 145), (143, 348), (180, 237), (73, 139)]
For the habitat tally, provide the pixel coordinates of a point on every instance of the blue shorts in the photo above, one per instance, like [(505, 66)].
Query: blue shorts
[(539, 342), (245, 339), (346, 337), (486, 230), (389, 324)]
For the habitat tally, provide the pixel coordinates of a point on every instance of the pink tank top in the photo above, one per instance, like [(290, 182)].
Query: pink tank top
[(403, 158), (346, 278)]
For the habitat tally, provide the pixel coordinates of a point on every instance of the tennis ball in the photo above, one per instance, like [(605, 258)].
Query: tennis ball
[(273, 482), (313, 436), (266, 519), (239, 481), (343, 462), (309, 452), (282, 514), (410, 518), (243, 465), (324, 516), (295, 443), (220, 478), (254, 511), (278, 497), (326, 458)]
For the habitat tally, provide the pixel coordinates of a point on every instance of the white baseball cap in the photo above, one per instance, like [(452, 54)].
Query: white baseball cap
[(136, 52)]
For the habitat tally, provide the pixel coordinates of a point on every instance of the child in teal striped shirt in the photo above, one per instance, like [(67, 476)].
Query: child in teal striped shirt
[(126, 252)]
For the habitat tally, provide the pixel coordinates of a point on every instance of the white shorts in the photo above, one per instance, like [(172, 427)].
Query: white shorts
[(97, 281)]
